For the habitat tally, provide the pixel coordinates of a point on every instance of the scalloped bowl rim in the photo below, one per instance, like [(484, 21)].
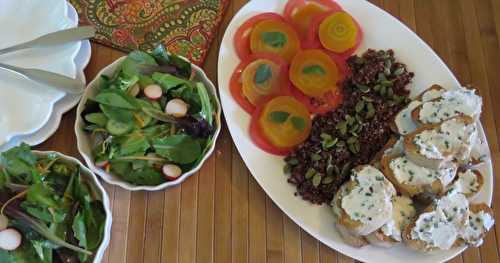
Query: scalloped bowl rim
[(115, 180), (104, 196)]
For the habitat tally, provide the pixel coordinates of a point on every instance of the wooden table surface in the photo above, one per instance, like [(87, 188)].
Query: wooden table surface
[(222, 215)]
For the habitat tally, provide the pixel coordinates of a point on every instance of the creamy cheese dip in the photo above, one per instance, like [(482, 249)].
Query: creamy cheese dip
[(453, 137), (403, 120), (408, 172), (402, 214), (466, 183), (432, 94), (452, 103), (370, 200)]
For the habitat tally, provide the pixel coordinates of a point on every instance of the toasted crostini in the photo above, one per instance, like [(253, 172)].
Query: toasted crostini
[(433, 92), (403, 212), (435, 146), (363, 203), (452, 103), (468, 182), (481, 220)]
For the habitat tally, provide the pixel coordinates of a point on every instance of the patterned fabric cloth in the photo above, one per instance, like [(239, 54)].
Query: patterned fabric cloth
[(185, 27)]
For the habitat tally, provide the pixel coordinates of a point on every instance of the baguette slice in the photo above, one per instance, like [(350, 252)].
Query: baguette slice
[(361, 205), (468, 182), (433, 92), (439, 226), (403, 122), (410, 179), (453, 103), (481, 220), (435, 146), (394, 146), (403, 213)]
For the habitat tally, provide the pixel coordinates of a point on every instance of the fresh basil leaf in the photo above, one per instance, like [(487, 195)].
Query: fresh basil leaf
[(279, 116), (262, 74), (274, 39), (314, 69), (207, 110), (168, 81), (117, 98), (97, 118), (164, 57), (179, 148), (298, 123)]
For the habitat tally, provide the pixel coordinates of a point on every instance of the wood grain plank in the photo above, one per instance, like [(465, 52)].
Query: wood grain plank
[(326, 254), (171, 225), (310, 247), (293, 242), (119, 229), (257, 222), (223, 198), (344, 259), (154, 226), (188, 219), (239, 210), (407, 13), (137, 227), (274, 220), (205, 228)]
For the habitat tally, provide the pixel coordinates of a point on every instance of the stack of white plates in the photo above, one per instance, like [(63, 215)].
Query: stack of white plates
[(31, 112)]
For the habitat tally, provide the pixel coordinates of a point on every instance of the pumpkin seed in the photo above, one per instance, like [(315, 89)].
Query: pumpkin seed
[(388, 64), (399, 71), (360, 106), (327, 144), (390, 92), (327, 180), (367, 99), (310, 173), (293, 161), (352, 140), (329, 170), (377, 87), (386, 83), (336, 169), (370, 111), (387, 71), (345, 169), (342, 127), (287, 169), (315, 157), (349, 119), (363, 88), (316, 180), (340, 144), (381, 77), (359, 118)]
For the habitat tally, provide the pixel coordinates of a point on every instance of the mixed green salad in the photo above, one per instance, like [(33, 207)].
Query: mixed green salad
[(49, 211), (150, 122)]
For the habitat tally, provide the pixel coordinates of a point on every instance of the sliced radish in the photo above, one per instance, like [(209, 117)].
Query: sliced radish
[(102, 164), (177, 108), (171, 171), (4, 222), (134, 91), (10, 239), (153, 92)]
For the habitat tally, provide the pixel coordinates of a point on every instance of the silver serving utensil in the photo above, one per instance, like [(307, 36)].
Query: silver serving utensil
[(51, 79), (55, 38)]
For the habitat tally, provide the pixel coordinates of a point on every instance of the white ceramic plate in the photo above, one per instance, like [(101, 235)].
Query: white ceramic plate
[(104, 197), (381, 31), (85, 145), (30, 106)]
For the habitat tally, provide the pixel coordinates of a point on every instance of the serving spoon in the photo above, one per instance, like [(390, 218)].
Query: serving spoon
[(55, 80)]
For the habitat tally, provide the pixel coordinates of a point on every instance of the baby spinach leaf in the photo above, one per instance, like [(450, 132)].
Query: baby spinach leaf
[(130, 66), (122, 82), (298, 123), (42, 195), (189, 94), (262, 74), (274, 39), (132, 143), (168, 81), (207, 110), (178, 148), (144, 176), (117, 98), (117, 114), (18, 161), (79, 230), (314, 69), (97, 118), (278, 116)]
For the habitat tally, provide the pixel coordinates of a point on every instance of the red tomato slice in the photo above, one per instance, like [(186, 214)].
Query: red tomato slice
[(242, 36), (235, 85), (330, 101), (303, 21), (313, 41)]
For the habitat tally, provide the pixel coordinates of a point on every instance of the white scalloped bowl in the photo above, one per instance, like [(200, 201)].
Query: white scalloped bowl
[(84, 143), (86, 172)]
